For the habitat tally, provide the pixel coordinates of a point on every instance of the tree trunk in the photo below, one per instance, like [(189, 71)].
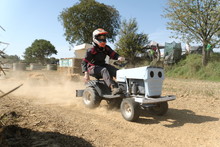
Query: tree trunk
[(133, 62), (204, 55), (208, 54)]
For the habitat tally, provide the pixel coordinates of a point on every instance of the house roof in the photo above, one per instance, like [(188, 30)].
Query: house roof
[(82, 46)]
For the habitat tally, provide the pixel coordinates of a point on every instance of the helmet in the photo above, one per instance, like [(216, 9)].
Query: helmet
[(153, 43), (99, 37)]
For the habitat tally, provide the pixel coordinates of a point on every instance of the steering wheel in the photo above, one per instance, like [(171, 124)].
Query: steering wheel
[(120, 63)]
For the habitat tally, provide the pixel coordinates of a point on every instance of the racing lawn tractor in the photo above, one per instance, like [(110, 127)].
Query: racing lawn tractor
[(141, 90)]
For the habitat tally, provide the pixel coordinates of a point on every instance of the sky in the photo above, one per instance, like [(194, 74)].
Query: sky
[(27, 20)]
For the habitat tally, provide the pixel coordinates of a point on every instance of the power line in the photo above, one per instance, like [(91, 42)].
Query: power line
[(2, 28)]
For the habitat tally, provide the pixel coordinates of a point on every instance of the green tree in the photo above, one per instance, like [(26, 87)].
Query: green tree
[(195, 20), (10, 59), (39, 51), (52, 60), (80, 20), (131, 43)]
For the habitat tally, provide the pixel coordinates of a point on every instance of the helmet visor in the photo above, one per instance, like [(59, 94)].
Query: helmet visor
[(101, 37)]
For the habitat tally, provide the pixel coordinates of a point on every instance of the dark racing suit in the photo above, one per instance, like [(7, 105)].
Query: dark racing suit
[(94, 63)]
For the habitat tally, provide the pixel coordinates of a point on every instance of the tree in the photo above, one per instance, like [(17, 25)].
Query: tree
[(196, 20), (10, 59), (39, 51), (131, 43), (80, 20), (52, 60)]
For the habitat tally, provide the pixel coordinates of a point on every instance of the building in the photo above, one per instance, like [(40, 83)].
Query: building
[(73, 65)]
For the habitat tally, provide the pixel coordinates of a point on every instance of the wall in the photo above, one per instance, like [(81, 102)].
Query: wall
[(66, 62)]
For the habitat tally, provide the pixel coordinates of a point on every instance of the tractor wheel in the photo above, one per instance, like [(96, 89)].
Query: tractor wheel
[(130, 109), (91, 98), (114, 103), (160, 109)]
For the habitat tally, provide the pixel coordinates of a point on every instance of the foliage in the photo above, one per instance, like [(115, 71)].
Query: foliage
[(131, 43), (195, 21), (80, 20), (10, 59), (52, 60), (39, 51), (191, 67)]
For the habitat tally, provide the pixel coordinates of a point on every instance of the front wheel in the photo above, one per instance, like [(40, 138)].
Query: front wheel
[(159, 109), (130, 109), (91, 98)]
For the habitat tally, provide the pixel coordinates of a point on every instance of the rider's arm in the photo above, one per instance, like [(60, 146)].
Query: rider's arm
[(86, 61), (84, 65), (111, 53)]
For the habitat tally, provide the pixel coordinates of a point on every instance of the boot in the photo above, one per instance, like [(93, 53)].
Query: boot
[(115, 90)]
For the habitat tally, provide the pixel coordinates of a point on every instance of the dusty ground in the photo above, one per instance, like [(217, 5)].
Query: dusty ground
[(45, 112)]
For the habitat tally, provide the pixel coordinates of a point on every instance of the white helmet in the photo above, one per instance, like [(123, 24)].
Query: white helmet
[(99, 37), (153, 43)]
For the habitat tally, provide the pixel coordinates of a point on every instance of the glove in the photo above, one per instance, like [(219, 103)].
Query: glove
[(121, 59), (86, 77)]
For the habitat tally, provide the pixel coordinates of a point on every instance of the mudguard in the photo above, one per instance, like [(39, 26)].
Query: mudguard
[(100, 87)]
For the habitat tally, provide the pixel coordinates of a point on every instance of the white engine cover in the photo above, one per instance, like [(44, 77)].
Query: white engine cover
[(153, 78)]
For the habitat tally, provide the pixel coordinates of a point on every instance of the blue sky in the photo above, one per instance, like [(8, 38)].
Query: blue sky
[(27, 20)]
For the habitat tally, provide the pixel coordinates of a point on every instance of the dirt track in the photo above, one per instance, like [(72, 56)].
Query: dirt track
[(45, 112)]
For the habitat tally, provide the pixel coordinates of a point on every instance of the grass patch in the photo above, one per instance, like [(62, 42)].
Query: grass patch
[(191, 67)]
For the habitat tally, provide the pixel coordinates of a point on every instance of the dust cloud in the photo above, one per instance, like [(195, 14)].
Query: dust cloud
[(49, 88), (46, 87)]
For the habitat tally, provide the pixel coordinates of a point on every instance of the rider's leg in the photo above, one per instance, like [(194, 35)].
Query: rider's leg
[(111, 69), (101, 72), (104, 73)]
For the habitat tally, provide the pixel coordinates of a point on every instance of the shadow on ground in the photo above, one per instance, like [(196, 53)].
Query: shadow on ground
[(13, 135), (176, 118)]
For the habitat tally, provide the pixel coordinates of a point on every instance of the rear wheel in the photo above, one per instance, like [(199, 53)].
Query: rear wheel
[(130, 109), (91, 98), (159, 109)]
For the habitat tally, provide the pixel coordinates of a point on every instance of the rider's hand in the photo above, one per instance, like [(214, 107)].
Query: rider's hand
[(86, 77), (121, 59)]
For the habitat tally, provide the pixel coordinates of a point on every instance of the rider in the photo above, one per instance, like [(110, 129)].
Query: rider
[(94, 62), (154, 46)]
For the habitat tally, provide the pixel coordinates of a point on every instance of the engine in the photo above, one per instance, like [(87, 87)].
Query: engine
[(146, 81)]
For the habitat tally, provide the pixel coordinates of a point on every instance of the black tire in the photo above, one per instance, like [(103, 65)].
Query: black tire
[(91, 98), (114, 103), (160, 109), (130, 109)]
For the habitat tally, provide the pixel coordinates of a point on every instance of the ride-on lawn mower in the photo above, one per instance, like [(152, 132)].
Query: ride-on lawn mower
[(141, 90)]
